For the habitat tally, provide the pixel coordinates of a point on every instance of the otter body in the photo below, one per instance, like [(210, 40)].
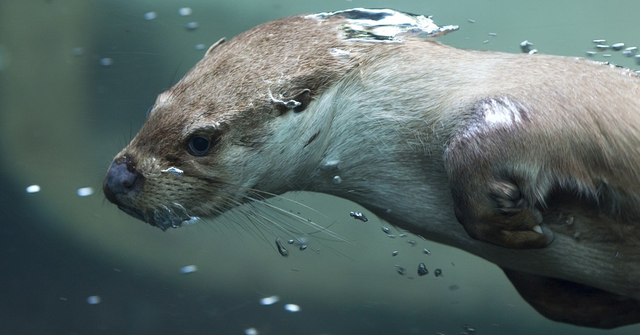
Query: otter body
[(529, 161)]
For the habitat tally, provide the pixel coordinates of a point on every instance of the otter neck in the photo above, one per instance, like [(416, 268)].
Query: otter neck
[(381, 161)]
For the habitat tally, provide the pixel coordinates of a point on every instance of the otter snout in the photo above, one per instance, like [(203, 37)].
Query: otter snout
[(121, 179)]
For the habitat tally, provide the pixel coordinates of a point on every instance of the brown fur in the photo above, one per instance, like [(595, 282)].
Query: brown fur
[(535, 153)]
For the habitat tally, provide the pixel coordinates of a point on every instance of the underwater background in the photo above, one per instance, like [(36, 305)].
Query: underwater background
[(76, 80)]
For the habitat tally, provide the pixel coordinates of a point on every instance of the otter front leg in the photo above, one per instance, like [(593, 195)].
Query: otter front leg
[(494, 180)]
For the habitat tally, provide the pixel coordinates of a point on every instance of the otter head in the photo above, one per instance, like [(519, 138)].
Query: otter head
[(242, 123)]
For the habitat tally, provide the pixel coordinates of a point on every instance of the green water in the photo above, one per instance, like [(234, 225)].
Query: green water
[(63, 116)]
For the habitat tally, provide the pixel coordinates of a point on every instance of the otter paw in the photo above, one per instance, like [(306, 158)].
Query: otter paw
[(508, 220), (523, 230)]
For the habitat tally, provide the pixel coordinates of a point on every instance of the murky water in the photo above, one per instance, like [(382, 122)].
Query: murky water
[(76, 78)]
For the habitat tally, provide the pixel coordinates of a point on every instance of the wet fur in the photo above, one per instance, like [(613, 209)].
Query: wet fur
[(411, 130)]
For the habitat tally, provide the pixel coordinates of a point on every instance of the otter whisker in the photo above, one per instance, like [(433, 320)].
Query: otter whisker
[(306, 221)]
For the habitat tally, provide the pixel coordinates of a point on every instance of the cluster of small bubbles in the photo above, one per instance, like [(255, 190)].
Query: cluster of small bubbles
[(185, 11), (525, 46), (188, 269), (301, 242), (106, 61), (337, 180), (93, 300), (630, 51), (601, 45), (33, 189), (150, 16), (85, 191), (192, 25), (268, 301)]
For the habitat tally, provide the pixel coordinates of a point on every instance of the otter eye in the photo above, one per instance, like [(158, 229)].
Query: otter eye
[(198, 145)]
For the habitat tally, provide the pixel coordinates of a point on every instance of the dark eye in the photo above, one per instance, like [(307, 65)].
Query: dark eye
[(198, 145)]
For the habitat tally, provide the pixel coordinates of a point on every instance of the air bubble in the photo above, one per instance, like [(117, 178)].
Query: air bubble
[(469, 328), (85, 191), (192, 25), (281, 249), (329, 164), (337, 180), (188, 269), (173, 170), (106, 62), (150, 16), (269, 300), (185, 11), (617, 46), (525, 46), (358, 216), (77, 51), (250, 331), (33, 189), (422, 270), (94, 300), (292, 308)]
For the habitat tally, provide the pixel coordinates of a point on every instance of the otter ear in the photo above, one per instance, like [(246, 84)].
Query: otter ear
[(297, 102)]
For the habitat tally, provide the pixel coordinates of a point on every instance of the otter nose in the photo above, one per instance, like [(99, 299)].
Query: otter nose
[(120, 180)]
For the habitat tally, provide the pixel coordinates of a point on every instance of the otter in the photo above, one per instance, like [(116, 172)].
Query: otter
[(529, 161)]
